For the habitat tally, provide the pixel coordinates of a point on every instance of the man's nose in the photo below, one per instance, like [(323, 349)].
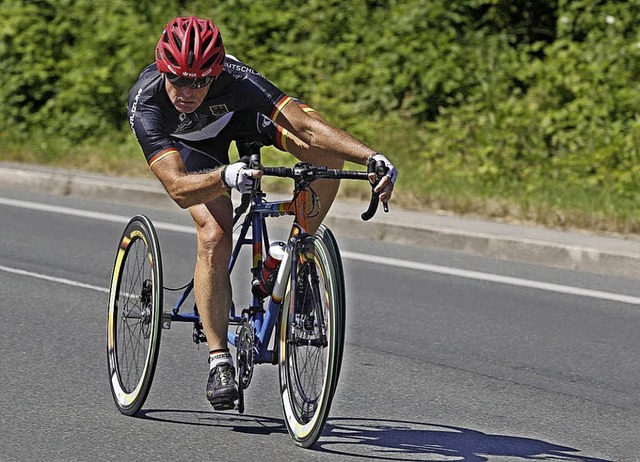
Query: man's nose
[(186, 91)]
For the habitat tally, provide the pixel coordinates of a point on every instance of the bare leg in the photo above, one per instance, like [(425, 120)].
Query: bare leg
[(326, 189), (212, 285)]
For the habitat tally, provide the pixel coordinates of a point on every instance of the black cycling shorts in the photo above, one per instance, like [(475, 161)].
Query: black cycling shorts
[(212, 153)]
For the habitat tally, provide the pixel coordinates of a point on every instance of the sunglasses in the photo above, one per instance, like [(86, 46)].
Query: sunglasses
[(180, 82)]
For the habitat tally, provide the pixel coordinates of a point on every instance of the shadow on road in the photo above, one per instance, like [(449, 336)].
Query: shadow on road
[(382, 439), (408, 441), (241, 423)]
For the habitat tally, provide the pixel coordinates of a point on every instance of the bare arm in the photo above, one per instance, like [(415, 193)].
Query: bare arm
[(314, 134), (318, 135), (184, 188)]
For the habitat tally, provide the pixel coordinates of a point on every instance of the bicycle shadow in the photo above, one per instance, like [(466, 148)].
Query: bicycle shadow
[(384, 439), (240, 423), (407, 441)]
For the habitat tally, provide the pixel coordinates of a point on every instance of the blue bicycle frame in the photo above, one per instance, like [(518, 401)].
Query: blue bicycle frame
[(262, 321)]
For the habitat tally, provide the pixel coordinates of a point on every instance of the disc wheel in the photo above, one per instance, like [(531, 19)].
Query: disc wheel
[(244, 359), (135, 315), (311, 338)]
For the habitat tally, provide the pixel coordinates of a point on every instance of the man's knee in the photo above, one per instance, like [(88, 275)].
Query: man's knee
[(333, 162), (214, 230), (214, 244), (325, 160)]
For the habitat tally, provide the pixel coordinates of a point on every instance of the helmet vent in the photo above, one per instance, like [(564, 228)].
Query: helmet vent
[(171, 58), (176, 38), (216, 57), (211, 61)]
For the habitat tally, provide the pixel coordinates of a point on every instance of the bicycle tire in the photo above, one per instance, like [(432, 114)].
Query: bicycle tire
[(329, 240), (311, 338), (134, 322)]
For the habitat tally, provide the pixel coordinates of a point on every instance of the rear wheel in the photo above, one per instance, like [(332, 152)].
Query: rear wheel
[(311, 340), (135, 315)]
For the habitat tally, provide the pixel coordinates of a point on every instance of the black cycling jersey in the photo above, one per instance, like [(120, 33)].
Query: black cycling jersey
[(240, 104)]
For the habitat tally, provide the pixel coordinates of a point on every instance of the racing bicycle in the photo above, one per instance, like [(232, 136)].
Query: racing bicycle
[(296, 317)]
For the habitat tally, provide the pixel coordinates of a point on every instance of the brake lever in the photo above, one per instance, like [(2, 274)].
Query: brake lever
[(380, 169)]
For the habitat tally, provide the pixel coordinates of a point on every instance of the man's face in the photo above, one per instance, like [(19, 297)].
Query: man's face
[(185, 99)]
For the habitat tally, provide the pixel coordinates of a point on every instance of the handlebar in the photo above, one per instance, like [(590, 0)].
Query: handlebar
[(313, 172), (307, 173)]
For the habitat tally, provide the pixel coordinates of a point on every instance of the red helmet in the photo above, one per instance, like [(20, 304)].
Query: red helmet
[(190, 47)]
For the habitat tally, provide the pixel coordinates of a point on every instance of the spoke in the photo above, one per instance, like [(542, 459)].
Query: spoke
[(308, 351), (133, 326)]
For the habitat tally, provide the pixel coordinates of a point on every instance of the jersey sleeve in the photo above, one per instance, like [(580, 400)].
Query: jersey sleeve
[(155, 142), (150, 125)]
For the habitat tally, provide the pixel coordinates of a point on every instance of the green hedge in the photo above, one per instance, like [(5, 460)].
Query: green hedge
[(514, 100)]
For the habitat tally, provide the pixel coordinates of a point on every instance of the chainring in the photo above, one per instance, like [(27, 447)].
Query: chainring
[(244, 354)]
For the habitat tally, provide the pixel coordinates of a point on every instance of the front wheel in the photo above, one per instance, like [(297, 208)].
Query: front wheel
[(329, 240), (311, 339), (135, 315)]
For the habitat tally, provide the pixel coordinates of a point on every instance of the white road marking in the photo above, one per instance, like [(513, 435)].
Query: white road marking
[(492, 278), (45, 277), (92, 215)]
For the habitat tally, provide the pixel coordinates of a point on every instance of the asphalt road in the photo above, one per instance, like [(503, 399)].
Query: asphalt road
[(449, 357)]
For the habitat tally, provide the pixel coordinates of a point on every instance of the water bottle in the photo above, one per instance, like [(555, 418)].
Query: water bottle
[(264, 280)]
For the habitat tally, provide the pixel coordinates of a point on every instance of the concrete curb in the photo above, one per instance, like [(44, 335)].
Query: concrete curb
[(612, 255)]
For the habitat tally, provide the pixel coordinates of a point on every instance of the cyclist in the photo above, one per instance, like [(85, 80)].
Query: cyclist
[(185, 110)]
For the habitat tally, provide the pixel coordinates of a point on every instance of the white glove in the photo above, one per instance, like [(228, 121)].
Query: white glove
[(392, 173), (239, 176)]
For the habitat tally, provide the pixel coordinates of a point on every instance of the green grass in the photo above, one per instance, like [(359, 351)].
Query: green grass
[(551, 203), (116, 155)]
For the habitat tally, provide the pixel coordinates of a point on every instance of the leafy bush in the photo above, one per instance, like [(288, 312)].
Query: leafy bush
[(490, 98), (71, 63)]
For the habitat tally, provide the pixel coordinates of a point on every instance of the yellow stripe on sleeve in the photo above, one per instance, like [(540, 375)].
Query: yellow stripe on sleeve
[(282, 138), (279, 105), (161, 155)]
